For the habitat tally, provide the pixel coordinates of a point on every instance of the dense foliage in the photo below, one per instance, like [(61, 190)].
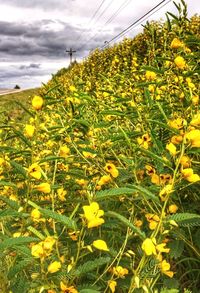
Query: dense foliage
[(99, 188)]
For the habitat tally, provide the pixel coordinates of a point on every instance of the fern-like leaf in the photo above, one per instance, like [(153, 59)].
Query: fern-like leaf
[(19, 267), (185, 219), (12, 203), (108, 193), (10, 242), (90, 266), (69, 223), (127, 223)]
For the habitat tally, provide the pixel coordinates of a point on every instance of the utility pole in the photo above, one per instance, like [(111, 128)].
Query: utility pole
[(70, 51)]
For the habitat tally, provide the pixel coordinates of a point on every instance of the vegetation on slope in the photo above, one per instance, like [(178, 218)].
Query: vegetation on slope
[(100, 187), (10, 103)]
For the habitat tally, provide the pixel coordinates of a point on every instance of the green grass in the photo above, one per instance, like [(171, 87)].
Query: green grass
[(9, 104)]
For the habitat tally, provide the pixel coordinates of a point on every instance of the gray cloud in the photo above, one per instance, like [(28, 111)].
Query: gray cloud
[(50, 4), (30, 66), (36, 39)]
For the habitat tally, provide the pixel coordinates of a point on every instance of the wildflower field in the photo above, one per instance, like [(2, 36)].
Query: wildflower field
[(99, 183)]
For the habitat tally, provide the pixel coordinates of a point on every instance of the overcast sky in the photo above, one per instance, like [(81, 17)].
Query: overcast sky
[(34, 34)]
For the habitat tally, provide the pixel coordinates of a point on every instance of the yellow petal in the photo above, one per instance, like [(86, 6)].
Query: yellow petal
[(171, 148), (54, 267), (149, 247), (112, 284), (100, 244)]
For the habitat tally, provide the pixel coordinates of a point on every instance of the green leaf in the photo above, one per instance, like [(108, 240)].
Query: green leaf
[(5, 183), (151, 68), (12, 213), (173, 16), (12, 203), (112, 112), (69, 223), (90, 266), (176, 248), (10, 242), (86, 290), (24, 108), (185, 219), (22, 137), (51, 158), (18, 168), (156, 157), (109, 193), (18, 267), (127, 223)]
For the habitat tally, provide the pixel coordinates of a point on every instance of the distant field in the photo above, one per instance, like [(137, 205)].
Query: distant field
[(9, 106)]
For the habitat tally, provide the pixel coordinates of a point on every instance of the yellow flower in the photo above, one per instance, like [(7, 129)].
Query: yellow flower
[(100, 244), (37, 102), (43, 187), (150, 170), (185, 162), (148, 246), (180, 62), (37, 250), (35, 214), (54, 267), (35, 171), (177, 123), (93, 215), (89, 155), (120, 272), (65, 289), (112, 284), (61, 194), (176, 139), (165, 268), (110, 168), (173, 208), (150, 75), (196, 120), (72, 88), (29, 130), (48, 243), (82, 182), (171, 148), (188, 174), (153, 220), (193, 137), (195, 100), (165, 191), (176, 43), (104, 180), (144, 141), (161, 248), (64, 151)]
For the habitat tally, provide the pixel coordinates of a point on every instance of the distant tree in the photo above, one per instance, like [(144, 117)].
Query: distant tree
[(17, 87)]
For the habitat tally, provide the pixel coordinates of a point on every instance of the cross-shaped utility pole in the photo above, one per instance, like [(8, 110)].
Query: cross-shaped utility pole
[(70, 51)]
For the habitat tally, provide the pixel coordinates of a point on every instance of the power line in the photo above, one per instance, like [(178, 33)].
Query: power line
[(113, 16), (109, 4), (91, 19), (122, 6), (97, 11), (136, 22), (145, 18)]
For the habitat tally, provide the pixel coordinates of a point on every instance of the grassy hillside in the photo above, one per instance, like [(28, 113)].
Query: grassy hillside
[(9, 104), (100, 185)]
